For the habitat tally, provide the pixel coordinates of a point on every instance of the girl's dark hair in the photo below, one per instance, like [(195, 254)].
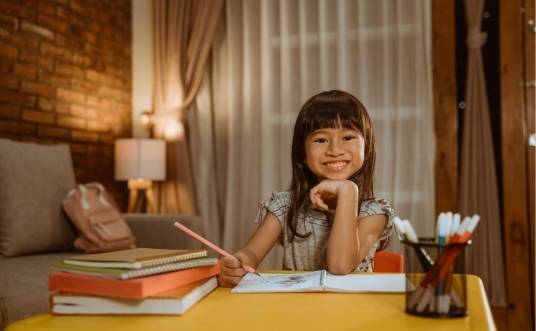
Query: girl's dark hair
[(330, 109)]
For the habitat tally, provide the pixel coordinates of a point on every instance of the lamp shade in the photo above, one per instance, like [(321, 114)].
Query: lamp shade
[(140, 159)]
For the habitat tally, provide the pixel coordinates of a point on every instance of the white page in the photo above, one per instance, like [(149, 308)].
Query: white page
[(297, 282), (364, 282)]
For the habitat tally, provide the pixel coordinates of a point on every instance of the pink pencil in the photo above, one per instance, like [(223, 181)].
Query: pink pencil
[(211, 245)]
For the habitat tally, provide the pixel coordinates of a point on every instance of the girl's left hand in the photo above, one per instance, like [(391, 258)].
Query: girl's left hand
[(330, 189)]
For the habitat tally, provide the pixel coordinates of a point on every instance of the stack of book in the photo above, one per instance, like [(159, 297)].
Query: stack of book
[(133, 281)]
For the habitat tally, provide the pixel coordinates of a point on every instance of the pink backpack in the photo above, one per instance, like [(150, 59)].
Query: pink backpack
[(95, 215)]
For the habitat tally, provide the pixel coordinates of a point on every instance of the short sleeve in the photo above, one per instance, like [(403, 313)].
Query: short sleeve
[(278, 205), (379, 207)]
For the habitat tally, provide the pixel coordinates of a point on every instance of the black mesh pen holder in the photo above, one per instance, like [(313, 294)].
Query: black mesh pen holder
[(435, 278)]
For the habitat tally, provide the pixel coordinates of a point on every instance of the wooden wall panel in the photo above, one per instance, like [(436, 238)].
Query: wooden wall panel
[(445, 110), (514, 164)]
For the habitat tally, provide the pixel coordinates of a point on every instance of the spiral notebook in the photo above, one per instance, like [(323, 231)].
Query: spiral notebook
[(135, 258), (123, 273)]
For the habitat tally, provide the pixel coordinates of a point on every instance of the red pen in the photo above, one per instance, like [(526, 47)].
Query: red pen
[(212, 246)]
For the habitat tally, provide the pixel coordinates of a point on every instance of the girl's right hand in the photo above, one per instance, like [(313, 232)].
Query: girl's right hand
[(231, 271), (324, 195)]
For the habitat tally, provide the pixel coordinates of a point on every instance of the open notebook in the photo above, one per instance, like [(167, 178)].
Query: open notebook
[(320, 281)]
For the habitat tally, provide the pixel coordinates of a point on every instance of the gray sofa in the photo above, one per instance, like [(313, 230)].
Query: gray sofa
[(34, 232)]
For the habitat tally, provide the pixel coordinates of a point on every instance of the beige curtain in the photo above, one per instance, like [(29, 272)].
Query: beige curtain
[(478, 180), (268, 58), (184, 30)]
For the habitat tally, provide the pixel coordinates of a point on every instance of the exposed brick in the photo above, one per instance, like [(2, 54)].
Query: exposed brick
[(9, 81), (19, 38), (62, 107), (38, 116), (106, 138), (48, 77), (8, 51), (82, 85), (71, 96), (10, 22), (46, 7), (84, 136), (16, 98), (45, 104), (9, 111), (78, 149), (77, 6), (50, 49), (27, 55), (99, 150), (81, 60), (25, 70), (68, 70), (6, 65), (16, 128), (97, 126), (17, 10), (53, 23), (38, 88), (46, 63), (47, 131), (71, 122), (43, 32)]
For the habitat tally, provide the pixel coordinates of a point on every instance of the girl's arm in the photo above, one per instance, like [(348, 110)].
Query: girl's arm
[(349, 240), (252, 253)]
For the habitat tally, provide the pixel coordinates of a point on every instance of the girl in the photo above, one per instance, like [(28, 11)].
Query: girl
[(317, 221)]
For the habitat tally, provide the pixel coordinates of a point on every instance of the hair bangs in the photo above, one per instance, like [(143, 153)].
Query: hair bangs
[(329, 116)]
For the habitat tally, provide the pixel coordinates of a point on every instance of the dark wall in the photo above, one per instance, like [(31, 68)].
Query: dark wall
[(65, 77)]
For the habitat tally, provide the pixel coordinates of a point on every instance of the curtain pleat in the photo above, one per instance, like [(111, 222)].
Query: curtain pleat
[(274, 55), (184, 30), (478, 178)]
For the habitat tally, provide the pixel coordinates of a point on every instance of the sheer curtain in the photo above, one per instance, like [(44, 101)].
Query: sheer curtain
[(271, 56)]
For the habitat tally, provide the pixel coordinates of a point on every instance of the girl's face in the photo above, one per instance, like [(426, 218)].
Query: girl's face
[(334, 153)]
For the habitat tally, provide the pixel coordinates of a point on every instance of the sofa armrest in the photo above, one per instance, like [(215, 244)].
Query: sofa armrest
[(157, 230)]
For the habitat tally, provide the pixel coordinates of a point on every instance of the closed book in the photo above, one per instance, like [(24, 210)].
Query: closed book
[(122, 273), (173, 302), (135, 258), (136, 288)]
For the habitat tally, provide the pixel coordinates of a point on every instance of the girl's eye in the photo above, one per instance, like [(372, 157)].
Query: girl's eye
[(320, 140), (347, 138)]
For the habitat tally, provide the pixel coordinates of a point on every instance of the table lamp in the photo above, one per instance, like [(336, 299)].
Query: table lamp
[(140, 161)]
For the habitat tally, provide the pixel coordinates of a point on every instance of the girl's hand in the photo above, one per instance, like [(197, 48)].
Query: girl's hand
[(231, 272), (327, 192)]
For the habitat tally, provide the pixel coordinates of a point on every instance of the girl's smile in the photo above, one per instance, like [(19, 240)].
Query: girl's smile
[(334, 153)]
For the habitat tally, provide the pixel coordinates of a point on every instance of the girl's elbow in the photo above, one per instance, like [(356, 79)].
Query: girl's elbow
[(340, 268)]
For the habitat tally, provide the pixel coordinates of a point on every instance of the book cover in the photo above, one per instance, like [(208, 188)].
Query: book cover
[(173, 302), (135, 258), (321, 281), (136, 288), (123, 273)]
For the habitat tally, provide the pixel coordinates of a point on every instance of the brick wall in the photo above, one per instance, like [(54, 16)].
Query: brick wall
[(65, 76)]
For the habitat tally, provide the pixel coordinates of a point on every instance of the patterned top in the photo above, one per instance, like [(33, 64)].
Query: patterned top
[(310, 253)]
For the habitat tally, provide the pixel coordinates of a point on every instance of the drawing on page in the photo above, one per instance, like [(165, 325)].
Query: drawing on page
[(292, 280)]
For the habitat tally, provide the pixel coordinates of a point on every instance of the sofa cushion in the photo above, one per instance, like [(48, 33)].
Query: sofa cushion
[(24, 285), (34, 180)]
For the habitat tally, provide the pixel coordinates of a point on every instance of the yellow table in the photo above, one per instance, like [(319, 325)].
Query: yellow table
[(222, 310)]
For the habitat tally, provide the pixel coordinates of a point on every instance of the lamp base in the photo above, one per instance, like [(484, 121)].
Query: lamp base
[(135, 198)]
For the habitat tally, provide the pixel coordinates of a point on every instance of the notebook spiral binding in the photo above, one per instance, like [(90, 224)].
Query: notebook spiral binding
[(178, 265)]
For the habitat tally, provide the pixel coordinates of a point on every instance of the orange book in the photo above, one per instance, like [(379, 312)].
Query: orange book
[(136, 288)]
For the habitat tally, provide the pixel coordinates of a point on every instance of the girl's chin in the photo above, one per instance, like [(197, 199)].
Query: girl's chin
[(334, 176)]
